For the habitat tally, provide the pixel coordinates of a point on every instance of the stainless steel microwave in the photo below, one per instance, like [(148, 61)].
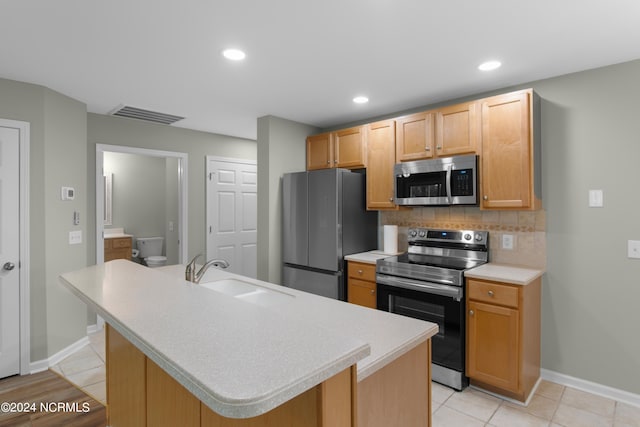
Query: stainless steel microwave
[(437, 182)]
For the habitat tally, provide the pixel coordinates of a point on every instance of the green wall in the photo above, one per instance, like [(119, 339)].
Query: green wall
[(102, 129), (57, 140), (281, 149)]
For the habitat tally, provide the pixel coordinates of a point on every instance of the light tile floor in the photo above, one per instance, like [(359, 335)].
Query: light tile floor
[(553, 405)]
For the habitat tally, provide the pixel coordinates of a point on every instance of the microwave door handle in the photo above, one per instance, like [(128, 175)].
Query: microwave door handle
[(448, 183)]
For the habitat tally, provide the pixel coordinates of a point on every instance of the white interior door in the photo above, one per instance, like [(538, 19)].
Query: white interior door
[(9, 251), (232, 213)]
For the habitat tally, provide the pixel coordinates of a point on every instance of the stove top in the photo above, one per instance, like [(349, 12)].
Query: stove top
[(439, 256)]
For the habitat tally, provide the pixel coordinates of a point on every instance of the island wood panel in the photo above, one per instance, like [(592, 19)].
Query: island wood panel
[(140, 393), (169, 404), (399, 394), (328, 404), (126, 381)]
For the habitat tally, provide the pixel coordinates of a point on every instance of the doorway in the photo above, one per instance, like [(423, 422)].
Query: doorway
[(232, 218), (14, 250), (102, 207)]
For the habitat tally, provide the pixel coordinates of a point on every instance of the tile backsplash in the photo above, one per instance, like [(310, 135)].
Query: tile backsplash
[(527, 228)]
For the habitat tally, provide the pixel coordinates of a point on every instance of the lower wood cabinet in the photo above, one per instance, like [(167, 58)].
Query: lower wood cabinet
[(361, 284), (503, 336), (117, 248)]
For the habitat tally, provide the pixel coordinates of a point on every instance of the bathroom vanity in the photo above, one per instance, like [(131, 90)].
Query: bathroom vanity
[(240, 352), (117, 248)]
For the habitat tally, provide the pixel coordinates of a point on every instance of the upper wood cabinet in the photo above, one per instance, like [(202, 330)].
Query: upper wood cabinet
[(381, 155), (415, 136), (508, 178), (444, 132), (345, 148), (457, 129), (320, 151)]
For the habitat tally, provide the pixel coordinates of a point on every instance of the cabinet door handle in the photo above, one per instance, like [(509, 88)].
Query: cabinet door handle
[(328, 162), (372, 292), (490, 293), (427, 148), (360, 272), (485, 197), (391, 199), (439, 147), (471, 313)]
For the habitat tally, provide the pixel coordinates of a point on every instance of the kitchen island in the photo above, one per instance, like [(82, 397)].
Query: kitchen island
[(238, 351)]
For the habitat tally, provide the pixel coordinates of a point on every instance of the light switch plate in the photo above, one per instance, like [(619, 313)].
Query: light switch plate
[(75, 237), (596, 199), (633, 249)]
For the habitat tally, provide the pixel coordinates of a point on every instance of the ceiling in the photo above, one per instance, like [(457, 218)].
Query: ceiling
[(306, 60)]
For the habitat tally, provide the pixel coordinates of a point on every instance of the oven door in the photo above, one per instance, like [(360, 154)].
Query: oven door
[(439, 304)]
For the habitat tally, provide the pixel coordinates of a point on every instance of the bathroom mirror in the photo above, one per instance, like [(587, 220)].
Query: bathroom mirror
[(108, 219)]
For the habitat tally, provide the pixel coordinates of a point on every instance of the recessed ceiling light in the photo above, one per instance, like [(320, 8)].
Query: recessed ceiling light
[(360, 99), (234, 54), (489, 65)]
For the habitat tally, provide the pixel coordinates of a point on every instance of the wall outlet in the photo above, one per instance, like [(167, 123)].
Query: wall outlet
[(507, 241), (633, 250), (75, 237)]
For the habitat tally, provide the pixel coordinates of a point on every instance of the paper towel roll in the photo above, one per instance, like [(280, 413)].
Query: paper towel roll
[(390, 239)]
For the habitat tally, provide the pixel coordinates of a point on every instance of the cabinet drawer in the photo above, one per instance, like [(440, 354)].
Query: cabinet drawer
[(124, 242), (493, 293), (362, 271)]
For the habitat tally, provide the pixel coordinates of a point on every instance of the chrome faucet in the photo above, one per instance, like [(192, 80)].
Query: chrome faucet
[(190, 272)]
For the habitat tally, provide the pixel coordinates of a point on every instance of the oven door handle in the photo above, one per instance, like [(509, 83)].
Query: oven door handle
[(454, 292)]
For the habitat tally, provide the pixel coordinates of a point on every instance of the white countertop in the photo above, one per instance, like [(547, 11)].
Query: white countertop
[(239, 358), (504, 273), (369, 257)]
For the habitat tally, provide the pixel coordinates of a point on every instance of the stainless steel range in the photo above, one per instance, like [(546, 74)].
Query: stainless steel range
[(428, 283)]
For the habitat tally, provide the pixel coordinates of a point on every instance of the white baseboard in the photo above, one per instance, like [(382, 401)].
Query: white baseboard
[(91, 329), (43, 365), (591, 387)]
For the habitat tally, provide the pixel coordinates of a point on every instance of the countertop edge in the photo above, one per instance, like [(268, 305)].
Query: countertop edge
[(226, 409), (513, 274), (384, 360)]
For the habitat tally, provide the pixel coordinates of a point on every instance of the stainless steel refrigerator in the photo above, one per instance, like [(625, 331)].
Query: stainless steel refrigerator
[(324, 219)]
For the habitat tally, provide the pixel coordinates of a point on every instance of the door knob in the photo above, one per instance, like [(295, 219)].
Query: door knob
[(8, 266)]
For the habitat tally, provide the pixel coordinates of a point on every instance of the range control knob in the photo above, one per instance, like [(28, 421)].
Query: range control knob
[(422, 233), (467, 236), (413, 233), (479, 237)]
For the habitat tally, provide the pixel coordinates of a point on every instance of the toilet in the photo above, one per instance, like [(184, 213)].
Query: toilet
[(150, 250)]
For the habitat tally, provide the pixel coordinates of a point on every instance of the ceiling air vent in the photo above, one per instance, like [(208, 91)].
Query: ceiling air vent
[(140, 114)]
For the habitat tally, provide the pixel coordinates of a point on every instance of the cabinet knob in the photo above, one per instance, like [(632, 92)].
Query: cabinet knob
[(439, 147), (372, 292), (328, 162), (360, 272), (471, 313), (485, 197), (391, 199), (427, 148), (490, 293)]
